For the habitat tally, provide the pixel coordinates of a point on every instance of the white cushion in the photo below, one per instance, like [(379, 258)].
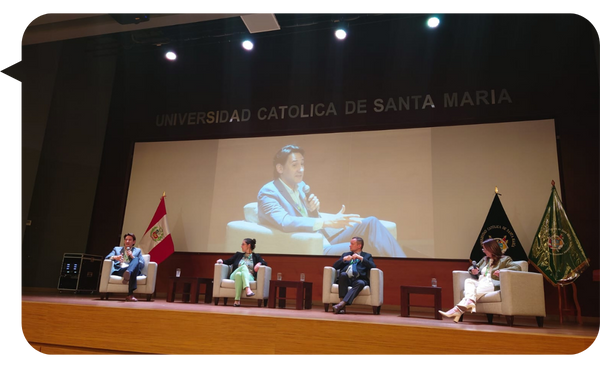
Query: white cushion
[(114, 279), (493, 297)]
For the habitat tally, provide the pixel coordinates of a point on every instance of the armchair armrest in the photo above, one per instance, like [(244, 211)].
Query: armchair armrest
[(376, 285), (458, 284), (105, 275), (222, 271), (151, 275), (263, 280), (329, 275), (522, 293)]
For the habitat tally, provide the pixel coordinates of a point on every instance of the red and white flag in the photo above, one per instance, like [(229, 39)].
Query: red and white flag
[(157, 240)]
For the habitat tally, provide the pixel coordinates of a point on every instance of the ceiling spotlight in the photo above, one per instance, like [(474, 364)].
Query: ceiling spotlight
[(248, 45), (340, 34), (171, 55), (433, 22)]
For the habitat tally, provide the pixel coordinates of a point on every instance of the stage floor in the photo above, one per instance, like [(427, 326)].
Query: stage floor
[(389, 322)]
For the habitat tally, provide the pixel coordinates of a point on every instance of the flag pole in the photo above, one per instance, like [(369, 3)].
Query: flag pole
[(562, 293)]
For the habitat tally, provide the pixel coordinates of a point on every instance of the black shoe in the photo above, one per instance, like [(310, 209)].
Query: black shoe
[(126, 276), (338, 308)]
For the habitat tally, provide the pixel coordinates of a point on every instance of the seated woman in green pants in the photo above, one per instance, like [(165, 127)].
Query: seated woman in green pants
[(245, 267)]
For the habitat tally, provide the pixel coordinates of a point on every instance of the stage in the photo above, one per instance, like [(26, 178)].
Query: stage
[(68, 323)]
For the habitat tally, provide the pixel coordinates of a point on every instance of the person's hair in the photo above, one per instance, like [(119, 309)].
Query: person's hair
[(494, 248), (360, 241), (251, 242), (129, 234), (282, 155)]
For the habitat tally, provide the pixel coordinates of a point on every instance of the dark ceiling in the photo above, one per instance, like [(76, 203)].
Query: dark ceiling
[(106, 36)]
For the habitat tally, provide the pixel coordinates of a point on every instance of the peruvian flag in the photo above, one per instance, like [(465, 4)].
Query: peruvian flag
[(157, 240)]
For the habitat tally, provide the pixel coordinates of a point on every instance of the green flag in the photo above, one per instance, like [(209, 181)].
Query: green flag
[(498, 226), (556, 252)]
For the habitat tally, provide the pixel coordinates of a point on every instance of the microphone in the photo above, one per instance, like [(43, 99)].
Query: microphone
[(306, 190), (307, 193), (475, 266)]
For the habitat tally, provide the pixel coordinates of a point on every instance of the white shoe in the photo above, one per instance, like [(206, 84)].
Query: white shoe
[(452, 313), (470, 306)]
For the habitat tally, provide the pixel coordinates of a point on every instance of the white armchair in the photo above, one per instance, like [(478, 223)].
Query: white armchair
[(276, 241), (521, 294), (111, 284), (371, 295), (224, 288)]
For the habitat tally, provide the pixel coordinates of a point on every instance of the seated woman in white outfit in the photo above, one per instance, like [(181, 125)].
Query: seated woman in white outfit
[(486, 278)]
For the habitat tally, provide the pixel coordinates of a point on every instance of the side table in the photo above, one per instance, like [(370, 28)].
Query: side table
[(405, 292), (303, 293), (191, 289)]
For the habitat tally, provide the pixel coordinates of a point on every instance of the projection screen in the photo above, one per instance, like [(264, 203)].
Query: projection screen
[(431, 188)]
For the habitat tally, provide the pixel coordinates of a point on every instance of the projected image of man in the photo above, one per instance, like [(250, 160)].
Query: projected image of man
[(287, 204)]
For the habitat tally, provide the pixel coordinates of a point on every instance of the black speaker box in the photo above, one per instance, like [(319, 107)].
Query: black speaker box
[(80, 272)]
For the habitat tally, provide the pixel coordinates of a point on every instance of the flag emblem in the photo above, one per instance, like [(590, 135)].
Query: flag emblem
[(555, 242), (557, 238), (503, 243), (157, 234)]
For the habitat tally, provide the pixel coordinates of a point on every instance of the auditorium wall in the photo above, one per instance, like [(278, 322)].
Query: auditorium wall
[(481, 69)]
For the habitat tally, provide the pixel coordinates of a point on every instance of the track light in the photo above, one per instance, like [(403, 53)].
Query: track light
[(248, 45), (171, 55), (340, 34), (435, 18), (433, 22)]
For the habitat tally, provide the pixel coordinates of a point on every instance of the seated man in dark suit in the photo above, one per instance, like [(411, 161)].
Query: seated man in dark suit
[(355, 267)]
